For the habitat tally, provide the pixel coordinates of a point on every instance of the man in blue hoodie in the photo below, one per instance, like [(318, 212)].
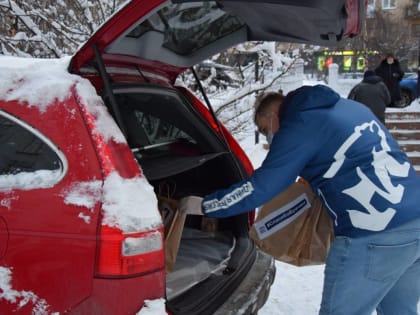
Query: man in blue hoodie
[(365, 181)]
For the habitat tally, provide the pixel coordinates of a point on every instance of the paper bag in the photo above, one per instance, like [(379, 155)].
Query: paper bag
[(173, 222), (294, 227)]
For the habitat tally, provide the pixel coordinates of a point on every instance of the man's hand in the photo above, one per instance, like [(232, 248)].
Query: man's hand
[(191, 205)]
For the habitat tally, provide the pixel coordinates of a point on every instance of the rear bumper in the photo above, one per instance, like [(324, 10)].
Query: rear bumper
[(118, 296), (253, 291)]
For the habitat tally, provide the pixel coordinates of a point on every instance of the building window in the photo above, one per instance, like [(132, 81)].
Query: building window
[(371, 5), (416, 30), (389, 4)]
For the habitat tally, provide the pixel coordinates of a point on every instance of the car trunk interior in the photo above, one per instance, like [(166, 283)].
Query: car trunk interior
[(181, 156)]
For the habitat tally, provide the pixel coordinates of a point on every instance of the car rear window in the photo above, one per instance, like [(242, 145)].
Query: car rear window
[(188, 27)]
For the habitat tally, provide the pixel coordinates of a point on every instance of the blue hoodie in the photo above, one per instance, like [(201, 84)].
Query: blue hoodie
[(350, 159)]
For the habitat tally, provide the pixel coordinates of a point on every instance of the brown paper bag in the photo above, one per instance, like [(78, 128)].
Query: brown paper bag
[(173, 240), (294, 227), (173, 225)]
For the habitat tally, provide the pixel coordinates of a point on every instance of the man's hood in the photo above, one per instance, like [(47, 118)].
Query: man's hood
[(311, 97)]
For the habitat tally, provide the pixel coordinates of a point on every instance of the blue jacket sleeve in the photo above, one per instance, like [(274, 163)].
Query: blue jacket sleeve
[(289, 153)]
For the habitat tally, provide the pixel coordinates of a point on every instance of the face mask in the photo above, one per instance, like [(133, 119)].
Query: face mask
[(270, 133)]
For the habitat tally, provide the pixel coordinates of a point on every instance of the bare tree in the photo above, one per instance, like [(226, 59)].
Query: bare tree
[(248, 70), (386, 34), (382, 34), (50, 28), (54, 28)]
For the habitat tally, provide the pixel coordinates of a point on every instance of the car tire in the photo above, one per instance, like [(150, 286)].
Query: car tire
[(406, 99)]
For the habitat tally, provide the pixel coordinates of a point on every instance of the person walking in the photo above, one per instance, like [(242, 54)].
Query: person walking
[(373, 93), (363, 178), (390, 71)]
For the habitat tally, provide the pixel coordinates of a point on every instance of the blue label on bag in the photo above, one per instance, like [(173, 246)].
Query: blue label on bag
[(281, 217)]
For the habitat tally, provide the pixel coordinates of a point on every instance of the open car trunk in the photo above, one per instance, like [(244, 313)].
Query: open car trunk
[(181, 155), (151, 42)]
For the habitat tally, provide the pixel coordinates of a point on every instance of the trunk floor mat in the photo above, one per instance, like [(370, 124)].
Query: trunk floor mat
[(200, 255)]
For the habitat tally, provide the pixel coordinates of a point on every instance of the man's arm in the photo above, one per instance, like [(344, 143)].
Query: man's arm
[(292, 148)]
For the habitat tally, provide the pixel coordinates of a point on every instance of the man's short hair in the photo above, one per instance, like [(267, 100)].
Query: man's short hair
[(263, 102)]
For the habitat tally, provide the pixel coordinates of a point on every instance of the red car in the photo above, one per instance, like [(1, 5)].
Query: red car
[(89, 143)]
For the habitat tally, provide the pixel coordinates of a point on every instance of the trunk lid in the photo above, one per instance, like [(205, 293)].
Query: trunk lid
[(166, 37)]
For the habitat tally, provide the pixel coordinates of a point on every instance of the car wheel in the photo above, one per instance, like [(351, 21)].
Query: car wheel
[(405, 99)]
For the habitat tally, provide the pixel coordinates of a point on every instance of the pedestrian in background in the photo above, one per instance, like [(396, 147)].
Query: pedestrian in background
[(390, 71), (373, 93)]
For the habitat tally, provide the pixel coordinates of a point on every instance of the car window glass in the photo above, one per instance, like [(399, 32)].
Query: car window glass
[(188, 27), (23, 151), (158, 131)]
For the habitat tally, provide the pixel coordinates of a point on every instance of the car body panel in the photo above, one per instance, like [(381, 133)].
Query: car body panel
[(260, 279), (4, 237), (56, 233), (122, 296), (409, 89), (48, 231)]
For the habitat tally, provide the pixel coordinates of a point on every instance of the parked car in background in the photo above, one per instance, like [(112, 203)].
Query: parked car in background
[(91, 146), (409, 89)]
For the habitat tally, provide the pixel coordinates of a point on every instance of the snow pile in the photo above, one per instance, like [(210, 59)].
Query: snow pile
[(128, 204), (20, 80), (26, 181)]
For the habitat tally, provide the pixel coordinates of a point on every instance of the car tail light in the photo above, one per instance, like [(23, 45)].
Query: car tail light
[(119, 254), (122, 254), (112, 153), (118, 154), (129, 254)]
